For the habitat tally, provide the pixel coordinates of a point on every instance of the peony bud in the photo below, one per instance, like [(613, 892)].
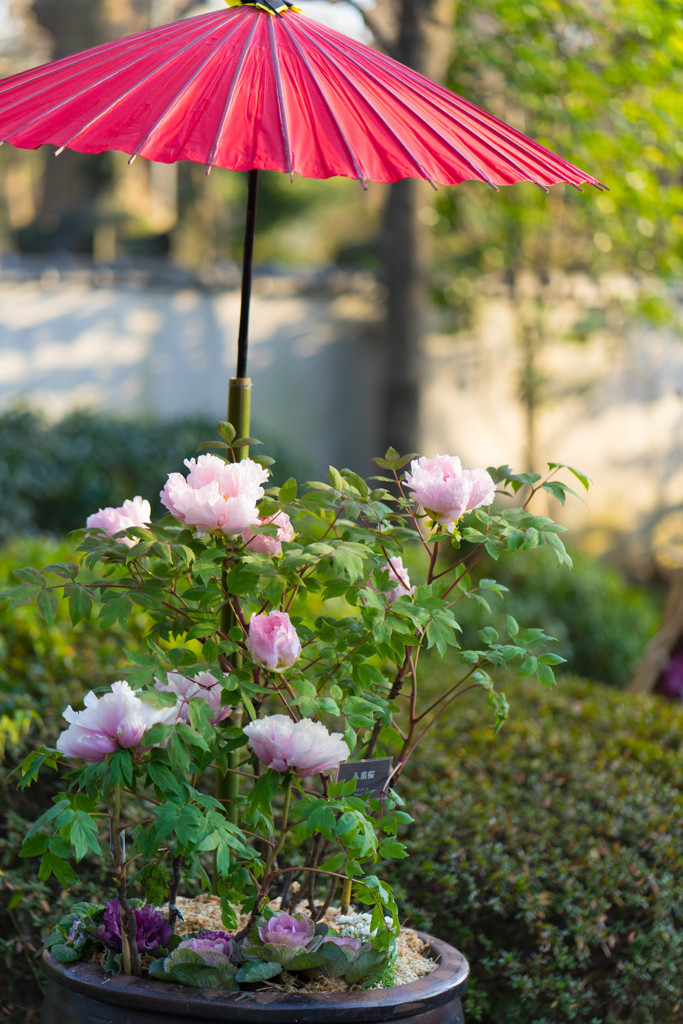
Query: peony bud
[(399, 575), (273, 641)]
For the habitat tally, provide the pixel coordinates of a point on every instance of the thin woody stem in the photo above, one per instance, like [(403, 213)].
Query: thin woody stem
[(283, 835), (129, 946)]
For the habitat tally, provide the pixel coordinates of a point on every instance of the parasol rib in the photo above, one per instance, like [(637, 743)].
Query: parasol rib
[(423, 172), (231, 93), (362, 176), (280, 97)]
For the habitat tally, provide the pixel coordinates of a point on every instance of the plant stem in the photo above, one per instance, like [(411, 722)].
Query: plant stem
[(274, 853), (346, 895), (129, 946)]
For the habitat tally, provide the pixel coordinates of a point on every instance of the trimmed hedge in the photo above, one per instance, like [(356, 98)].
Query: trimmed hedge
[(552, 855), (52, 476)]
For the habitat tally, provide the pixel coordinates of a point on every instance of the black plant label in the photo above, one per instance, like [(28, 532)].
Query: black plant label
[(371, 776)]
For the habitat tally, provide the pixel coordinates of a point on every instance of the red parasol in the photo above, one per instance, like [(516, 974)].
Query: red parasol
[(248, 89)]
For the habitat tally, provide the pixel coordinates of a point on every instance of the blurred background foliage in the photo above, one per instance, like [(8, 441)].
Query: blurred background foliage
[(54, 475)]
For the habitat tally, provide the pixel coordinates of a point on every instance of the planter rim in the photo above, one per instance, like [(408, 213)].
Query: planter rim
[(446, 983)]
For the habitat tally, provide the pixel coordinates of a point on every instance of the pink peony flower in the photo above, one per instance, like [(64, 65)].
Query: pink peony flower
[(483, 488), (304, 747), (445, 490), (215, 495), (399, 575), (204, 685), (112, 520), (273, 641), (265, 545), (118, 719)]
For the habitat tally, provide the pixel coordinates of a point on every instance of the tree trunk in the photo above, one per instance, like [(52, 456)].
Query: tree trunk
[(424, 42), (72, 181)]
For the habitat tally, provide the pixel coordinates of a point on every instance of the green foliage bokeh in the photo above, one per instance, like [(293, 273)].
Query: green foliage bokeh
[(601, 622), (54, 475)]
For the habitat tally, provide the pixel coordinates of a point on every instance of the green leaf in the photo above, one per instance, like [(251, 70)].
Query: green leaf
[(67, 570), (335, 478), (80, 601), (35, 846), (83, 835), (288, 491), (226, 431), (23, 594), (528, 666), (158, 734), (257, 970), (48, 606), (190, 737), (512, 626), (65, 954), (30, 575), (581, 477), (545, 674)]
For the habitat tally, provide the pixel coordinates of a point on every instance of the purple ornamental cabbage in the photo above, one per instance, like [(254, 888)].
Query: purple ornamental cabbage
[(152, 928), (345, 941), (214, 942), (286, 930), (279, 939)]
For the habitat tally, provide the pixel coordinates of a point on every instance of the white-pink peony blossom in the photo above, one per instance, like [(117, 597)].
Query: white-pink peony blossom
[(398, 574), (216, 495), (273, 641), (117, 719), (304, 747), (262, 543), (135, 512), (445, 490), (204, 685)]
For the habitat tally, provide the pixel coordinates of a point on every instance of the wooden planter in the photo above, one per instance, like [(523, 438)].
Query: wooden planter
[(82, 993)]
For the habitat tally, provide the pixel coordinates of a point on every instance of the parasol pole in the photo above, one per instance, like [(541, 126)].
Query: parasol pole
[(239, 388)]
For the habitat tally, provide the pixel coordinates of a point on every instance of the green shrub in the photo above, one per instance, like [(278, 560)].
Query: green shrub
[(52, 476), (554, 859), (42, 669), (601, 621)]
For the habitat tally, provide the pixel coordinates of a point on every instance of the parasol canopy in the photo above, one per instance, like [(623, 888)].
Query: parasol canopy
[(245, 89)]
